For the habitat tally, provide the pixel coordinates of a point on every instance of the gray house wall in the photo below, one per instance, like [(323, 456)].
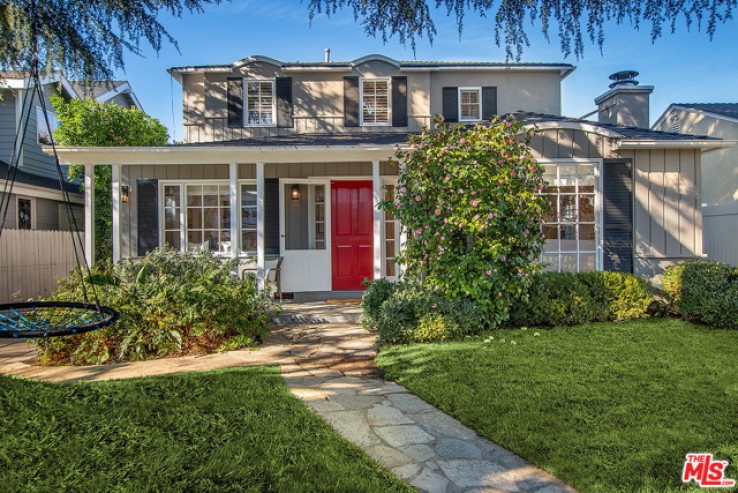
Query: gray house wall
[(318, 97), (667, 219), (7, 124)]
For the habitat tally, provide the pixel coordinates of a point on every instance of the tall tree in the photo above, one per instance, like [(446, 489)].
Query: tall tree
[(81, 38), (575, 20), (88, 122)]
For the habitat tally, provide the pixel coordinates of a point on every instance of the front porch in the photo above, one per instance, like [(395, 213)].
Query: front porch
[(316, 207)]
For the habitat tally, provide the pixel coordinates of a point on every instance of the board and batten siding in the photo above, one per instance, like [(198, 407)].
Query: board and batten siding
[(131, 174), (667, 220)]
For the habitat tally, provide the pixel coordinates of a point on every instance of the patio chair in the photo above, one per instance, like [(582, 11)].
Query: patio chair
[(272, 275)]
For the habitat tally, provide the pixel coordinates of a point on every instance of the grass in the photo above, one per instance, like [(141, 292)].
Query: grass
[(605, 407), (232, 430)]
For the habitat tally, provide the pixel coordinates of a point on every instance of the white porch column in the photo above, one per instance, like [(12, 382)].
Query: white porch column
[(90, 214), (377, 197), (116, 168), (260, 226), (235, 209)]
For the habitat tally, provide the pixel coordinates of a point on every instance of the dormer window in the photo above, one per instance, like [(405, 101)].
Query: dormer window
[(260, 103), (470, 104), (375, 102)]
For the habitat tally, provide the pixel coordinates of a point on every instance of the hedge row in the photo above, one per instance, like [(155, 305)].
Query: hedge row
[(704, 291)]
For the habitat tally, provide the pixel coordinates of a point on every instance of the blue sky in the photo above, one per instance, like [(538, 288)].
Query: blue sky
[(683, 67)]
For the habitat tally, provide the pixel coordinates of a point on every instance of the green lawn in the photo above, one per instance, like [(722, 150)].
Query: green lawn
[(233, 430), (607, 408)]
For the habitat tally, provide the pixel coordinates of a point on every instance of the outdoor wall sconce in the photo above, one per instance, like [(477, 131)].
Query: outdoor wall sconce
[(295, 192), (124, 194)]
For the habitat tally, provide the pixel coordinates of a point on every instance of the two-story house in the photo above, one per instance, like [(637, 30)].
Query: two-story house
[(290, 159), (37, 201)]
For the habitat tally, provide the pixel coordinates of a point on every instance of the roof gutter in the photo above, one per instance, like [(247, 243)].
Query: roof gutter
[(702, 144), (563, 71)]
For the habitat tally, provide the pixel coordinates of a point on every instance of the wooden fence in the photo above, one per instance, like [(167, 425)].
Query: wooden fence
[(720, 233), (32, 261)]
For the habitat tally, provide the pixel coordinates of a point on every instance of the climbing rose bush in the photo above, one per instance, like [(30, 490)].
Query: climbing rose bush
[(470, 201)]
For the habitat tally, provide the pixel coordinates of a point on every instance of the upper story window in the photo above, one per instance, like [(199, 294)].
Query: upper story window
[(470, 103), (260, 103), (44, 133), (375, 102)]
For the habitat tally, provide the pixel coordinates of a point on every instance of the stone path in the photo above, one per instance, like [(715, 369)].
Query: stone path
[(331, 368)]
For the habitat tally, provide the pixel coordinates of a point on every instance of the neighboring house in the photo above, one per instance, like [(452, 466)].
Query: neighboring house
[(37, 201), (719, 176), (291, 159)]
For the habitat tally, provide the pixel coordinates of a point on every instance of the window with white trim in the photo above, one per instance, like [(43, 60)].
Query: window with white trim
[(260, 103), (43, 132), (391, 236), (470, 103), (375, 102), (570, 225), (248, 218), (25, 213), (173, 216)]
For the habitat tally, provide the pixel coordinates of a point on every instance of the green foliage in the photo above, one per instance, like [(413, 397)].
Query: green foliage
[(83, 39), (88, 122), (170, 303), (704, 290), (376, 293), (470, 201), (414, 313), (574, 21), (562, 298), (226, 431)]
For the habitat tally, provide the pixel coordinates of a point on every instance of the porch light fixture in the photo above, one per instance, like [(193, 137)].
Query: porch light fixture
[(124, 194), (295, 192)]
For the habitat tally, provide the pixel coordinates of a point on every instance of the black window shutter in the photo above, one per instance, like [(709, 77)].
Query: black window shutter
[(147, 192), (351, 101), (271, 216), (235, 102), (618, 215), (284, 102), (489, 103), (451, 104), (399, 101)]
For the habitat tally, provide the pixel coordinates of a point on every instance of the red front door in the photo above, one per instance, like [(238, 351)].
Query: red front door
[(352, 234)]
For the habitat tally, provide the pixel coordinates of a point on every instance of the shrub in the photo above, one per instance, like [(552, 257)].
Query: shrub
[(704, 290), (377, 292), (414, 313), (170, 303), (561, 298), (621, 296), (470, 200)]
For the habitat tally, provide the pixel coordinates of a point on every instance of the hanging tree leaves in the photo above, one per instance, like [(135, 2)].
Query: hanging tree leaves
[(81, 38), (575, 20)]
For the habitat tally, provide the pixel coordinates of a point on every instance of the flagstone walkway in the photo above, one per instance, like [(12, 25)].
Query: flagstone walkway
[(331, 368)]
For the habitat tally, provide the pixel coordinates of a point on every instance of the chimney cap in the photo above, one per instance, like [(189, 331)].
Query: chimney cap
[(624, 78)]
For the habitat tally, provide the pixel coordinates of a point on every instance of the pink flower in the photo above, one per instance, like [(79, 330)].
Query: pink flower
[(508, 124), (499, 294), (403, 190), (474, 203), (448, 177), (462, 141), (417, 198), (438, 212), (418, 231), (501, 181), (443, 238), (437, 234), (534, 169), (422, 262), (531, 133), (514, 173), (426, 226), (476, 218), (445, 221), (397, 204), (474, 192), (489, 272), (490, 215)]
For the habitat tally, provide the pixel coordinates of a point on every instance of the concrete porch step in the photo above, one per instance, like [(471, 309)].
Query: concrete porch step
[(318, 312)]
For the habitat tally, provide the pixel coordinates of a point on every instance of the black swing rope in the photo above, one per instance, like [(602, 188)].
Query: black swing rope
[(48, 318)]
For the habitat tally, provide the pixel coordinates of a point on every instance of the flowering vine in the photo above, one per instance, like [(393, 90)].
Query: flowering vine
[(469, 199)]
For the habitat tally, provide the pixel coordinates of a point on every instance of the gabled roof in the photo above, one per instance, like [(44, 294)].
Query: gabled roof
[(564, 69), (723, 111), (36, 180), (104, 91)]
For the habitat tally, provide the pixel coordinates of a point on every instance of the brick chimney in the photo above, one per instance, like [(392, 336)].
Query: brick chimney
[(626, 103)]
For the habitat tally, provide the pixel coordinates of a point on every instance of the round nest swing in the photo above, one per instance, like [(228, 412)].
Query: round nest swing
[(38, 319), (52, 318)]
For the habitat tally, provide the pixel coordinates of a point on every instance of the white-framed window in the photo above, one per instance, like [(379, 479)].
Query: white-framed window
[(571, 225), (375, 102), (43, 132), (260, 103), (470, 104), (24, 213), (248, 218)]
